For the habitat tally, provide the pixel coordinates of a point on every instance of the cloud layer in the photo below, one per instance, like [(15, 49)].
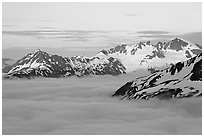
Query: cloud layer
[(85, 106), (153, 32), (73, 35), (105, 36)]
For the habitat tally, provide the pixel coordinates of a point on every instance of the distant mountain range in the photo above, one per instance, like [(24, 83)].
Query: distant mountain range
[(184, 79), (114, 61), (7, 64), (40, 63), (146, 55)]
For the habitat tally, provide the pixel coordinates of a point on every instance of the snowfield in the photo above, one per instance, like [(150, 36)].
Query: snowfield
[(84, 106)]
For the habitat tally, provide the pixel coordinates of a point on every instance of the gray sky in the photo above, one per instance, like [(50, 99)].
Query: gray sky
[(182, 17), (94, 25)]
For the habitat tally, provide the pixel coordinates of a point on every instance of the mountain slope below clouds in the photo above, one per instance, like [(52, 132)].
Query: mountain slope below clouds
[(184, 79)]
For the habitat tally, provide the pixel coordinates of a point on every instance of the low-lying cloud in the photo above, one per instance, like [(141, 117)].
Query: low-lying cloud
[(78, 35), (110, 38), (85, 106), (132, 14), (153, 32)]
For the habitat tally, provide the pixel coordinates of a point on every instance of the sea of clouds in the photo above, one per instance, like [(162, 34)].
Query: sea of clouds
[(85, 106)]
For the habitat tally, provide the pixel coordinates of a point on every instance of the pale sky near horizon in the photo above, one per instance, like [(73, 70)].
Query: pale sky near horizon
[(80, 25)]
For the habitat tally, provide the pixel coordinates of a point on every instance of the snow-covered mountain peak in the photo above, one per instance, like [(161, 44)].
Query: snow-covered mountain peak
[(37, 50), (145, 54), (126, 49)]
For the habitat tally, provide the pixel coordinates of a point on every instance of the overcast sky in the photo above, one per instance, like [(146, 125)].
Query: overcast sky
[(181, 17), (95, 25)]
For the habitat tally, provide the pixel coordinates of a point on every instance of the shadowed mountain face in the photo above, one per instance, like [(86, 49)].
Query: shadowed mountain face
[(115, 61), (184, 79)]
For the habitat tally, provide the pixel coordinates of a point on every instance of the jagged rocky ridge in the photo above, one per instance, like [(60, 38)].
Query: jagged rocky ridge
[(115, 61), (184, 79), (40, 63)]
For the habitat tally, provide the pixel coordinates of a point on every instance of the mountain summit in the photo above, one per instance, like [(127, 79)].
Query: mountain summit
[(40, 63)]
